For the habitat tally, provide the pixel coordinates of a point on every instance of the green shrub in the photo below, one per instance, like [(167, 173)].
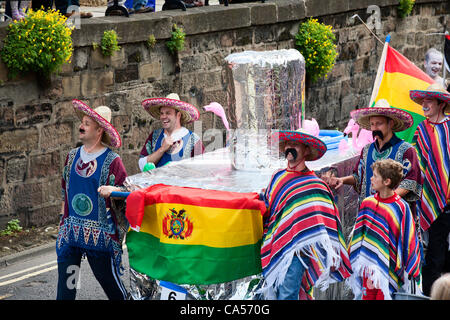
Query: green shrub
[(151, 41), (40, 43), (176, 42), (405, 7), (12, 227), (315, 41), (109, 43)]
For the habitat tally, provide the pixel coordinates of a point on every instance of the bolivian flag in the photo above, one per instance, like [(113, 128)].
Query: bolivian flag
[(396, 76), (194, 236)]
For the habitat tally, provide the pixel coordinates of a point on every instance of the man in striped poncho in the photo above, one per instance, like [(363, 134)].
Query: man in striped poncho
[(432, 143), (303, 243)]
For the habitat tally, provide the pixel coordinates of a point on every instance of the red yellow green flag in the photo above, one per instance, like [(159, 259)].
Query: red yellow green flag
[(396, 76), (194, 236)]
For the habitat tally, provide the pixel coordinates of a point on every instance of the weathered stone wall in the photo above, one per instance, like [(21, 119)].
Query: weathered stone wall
[(38, 126), (93, 3)]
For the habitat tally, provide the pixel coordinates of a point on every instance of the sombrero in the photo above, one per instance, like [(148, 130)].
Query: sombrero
[(317, 146), (402, 119), (101, 115), (435, 91), (189, 113)]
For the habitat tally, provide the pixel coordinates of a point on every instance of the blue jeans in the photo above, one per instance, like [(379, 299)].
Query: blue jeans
[(102, 265), (137, 4), (290, 287), (62, 5)]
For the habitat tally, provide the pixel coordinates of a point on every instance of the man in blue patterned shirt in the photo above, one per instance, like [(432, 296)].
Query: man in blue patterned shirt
[(88, 226)]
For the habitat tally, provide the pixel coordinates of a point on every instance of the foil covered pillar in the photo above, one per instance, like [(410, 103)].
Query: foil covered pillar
[(266, 89), (265, 92)]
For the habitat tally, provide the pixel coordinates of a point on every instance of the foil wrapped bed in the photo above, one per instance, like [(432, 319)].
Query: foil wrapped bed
[(215, 171), (265, 92)]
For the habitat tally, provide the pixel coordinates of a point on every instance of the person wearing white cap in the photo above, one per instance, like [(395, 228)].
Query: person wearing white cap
[(89, 226), (172, 142)]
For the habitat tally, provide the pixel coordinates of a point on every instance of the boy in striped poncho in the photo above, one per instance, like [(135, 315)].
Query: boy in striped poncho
[(303, 243), (384, 250)]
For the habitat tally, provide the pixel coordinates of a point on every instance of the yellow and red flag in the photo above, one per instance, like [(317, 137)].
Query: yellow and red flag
[(194, 236), (396, 76)]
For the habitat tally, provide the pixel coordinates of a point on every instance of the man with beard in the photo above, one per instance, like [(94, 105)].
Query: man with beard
[(384, 121), (303, 243), (432, 142), (89, 227)]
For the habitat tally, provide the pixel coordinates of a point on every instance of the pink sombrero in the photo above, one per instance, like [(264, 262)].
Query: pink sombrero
[(101, 115), (188, 111), (402, 119), (317, 146), (435, 91)]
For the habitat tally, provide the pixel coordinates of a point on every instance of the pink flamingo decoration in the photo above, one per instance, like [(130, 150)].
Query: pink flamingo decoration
[(311, 127), (217, 109), (358, 140)]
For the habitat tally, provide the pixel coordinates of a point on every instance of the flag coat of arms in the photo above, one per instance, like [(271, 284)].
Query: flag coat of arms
[(396, 76), (194, 236)]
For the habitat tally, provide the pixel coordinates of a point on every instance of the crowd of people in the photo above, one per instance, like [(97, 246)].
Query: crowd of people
[(399, 242), (16, 9), (400, 239)]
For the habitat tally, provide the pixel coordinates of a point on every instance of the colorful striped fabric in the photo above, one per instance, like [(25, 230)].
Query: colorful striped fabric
[(194, 236), (432, 143), (398, 76), (384, 245), (302, 219)]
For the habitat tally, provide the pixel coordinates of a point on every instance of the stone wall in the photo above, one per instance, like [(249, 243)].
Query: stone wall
[(93, 3), (38, 126)]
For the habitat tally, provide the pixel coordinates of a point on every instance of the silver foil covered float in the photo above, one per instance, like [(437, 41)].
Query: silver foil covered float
[(265, 93)]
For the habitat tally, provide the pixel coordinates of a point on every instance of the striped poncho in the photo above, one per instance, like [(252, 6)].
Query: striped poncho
[(302, 219), (384, 246), (432, 143)]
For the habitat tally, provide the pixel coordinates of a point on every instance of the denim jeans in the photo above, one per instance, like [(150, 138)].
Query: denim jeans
[(102, 265), (63, 5), (290, 287), (138, 4)]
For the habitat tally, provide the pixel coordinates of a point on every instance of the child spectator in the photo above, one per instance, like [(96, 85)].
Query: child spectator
[(384, 250)]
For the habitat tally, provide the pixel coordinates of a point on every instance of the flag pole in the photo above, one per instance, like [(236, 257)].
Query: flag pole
[(365, 25), (445, 61), (380, 70)]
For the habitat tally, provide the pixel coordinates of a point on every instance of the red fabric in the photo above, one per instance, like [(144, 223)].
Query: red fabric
[(371, 294), (396, 62)]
